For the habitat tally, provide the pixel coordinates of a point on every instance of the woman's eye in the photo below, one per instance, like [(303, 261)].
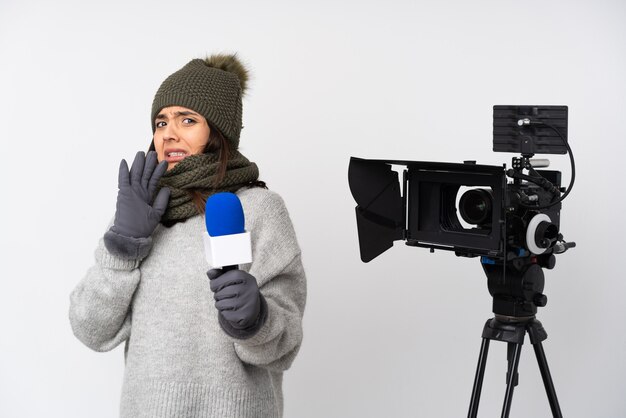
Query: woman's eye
[(188, 121), (160, 124)]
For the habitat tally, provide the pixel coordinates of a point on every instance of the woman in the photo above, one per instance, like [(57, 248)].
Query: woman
[(194, 346)]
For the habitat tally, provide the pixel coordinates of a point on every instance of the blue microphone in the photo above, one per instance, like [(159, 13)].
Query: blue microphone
[(226, 244), (224, 215)]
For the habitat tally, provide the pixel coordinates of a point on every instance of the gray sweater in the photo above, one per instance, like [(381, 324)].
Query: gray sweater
[(179, 362)]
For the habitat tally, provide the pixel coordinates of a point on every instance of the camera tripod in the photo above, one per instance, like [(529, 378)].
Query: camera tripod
[(515, 300), (512, 331)]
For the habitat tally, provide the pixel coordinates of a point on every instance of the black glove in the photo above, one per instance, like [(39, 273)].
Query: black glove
[(241, 306), (135, 217)]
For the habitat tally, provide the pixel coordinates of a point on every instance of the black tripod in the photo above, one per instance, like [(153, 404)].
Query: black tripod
[(516, 296)]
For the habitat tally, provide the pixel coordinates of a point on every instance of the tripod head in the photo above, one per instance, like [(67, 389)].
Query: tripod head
[(517, 288)]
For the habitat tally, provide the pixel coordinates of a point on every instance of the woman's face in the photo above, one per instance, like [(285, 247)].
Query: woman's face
[(179, 132)]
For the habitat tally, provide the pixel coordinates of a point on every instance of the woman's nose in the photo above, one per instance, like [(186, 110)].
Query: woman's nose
[(170, 134)]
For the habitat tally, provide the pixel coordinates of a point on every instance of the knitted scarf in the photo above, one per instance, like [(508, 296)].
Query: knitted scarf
[(198, 173)]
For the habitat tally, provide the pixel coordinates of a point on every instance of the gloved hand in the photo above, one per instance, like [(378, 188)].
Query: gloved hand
[(238, 300), (135, 217)]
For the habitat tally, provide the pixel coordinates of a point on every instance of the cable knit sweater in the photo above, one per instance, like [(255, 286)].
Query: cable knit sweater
[(179, 362)]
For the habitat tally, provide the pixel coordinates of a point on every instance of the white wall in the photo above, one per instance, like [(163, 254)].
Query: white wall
[(398, 337)]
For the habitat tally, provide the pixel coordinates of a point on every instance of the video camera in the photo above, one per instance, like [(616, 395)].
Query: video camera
[(507, 217), (474, 210)]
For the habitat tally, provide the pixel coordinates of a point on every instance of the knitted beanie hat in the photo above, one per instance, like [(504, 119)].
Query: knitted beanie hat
[(212, 87)]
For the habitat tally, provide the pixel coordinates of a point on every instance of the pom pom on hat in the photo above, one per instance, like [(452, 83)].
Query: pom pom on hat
[(231, 64)]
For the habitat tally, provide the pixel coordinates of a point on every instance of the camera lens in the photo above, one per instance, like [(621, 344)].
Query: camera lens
[(475, 206)]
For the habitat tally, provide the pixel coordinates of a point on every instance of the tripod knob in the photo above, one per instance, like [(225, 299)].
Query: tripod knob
[(540, 300)]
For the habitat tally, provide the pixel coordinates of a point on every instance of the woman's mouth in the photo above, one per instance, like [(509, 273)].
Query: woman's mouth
[(174, 156)]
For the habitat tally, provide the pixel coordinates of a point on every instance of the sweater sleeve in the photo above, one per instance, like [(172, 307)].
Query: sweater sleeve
[(100, 304), (277, 266)]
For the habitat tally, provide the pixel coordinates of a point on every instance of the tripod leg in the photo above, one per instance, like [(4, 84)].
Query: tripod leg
[(547, 380), (510, 384), (478, 380), (510, 351)]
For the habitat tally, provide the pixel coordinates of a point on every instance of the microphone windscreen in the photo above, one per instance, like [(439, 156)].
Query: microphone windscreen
[(224, 215)]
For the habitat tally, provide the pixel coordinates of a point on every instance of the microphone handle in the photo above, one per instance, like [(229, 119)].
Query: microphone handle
[(228, 268)]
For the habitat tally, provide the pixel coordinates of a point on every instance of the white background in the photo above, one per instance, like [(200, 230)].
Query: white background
[(397, 337)]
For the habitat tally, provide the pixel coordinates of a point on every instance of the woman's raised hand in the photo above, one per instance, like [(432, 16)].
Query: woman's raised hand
[(135, 216)]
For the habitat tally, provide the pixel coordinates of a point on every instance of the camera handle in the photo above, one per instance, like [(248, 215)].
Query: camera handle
[(536, 179)]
